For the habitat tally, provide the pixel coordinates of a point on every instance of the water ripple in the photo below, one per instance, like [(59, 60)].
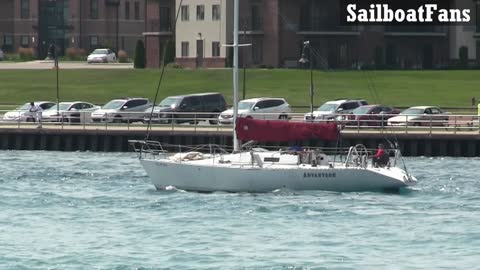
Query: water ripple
[(99, 211)]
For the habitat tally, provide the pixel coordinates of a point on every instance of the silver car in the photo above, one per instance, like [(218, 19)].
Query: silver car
[(122, 110), (22, 113), (68, 111)]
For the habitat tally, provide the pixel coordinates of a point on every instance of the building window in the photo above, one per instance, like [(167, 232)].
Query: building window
[(7, 40), (185, 15), (165, 19), (93, 42), (200, 12), (257, 51), (24, 41), (127, 10), (25, 9), (216, 13), (256, 16), (93, 9), (185, 48), (215, 49), (137, 10)]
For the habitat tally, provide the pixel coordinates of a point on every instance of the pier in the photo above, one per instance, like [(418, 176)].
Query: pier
[(421, 142)]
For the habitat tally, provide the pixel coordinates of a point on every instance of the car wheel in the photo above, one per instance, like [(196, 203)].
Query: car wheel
[(283, 117), (213, 122), (416, 124)]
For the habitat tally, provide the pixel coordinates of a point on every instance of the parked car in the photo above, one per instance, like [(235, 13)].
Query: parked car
[(420, 116), (330, 109), (2, 55), (101, 56), (258, 108), (22, 113), (370, 115), (68, 111), (122, 110), (188, 108)]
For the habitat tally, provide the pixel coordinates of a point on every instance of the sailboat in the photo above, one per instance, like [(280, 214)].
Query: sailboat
[(261, 170)]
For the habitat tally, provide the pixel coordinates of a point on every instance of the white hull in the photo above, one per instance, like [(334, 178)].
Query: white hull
[(209, 175)]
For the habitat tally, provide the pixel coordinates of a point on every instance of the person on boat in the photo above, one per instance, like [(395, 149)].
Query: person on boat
[(381, 158), (36, 113)]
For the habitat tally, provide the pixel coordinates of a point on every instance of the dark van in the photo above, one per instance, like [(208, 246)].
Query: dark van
[(188, 108)]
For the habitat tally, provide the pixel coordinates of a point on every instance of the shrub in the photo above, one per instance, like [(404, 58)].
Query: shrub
[(139, 61), (463, 56), (170, 52), (75, 54), (122, 56), (174, 66), (26, 54)]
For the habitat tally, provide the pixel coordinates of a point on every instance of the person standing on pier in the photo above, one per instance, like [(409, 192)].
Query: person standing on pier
[(36, 113)]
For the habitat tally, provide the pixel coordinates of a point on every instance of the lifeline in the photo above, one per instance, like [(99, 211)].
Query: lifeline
[(424, 13)]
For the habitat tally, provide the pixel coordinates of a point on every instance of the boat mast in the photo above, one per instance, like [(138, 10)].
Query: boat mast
[(235, 74)]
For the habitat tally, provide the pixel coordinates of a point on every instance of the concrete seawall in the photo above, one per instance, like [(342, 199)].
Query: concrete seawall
[(116, 140)]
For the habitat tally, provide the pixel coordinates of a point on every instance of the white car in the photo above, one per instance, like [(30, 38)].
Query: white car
[(22, 113), (68, 111), (330, 110), (122, 110), (420, 116), (102, 56), (258, 108)]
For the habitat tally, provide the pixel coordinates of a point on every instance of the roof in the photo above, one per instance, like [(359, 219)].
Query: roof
[(423, 107), (260, 98), (340, 101), (196, 94)]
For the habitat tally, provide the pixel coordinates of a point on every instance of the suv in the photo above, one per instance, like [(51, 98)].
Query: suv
[(187, 108), (259, 108), (330, 109), (122, 110)]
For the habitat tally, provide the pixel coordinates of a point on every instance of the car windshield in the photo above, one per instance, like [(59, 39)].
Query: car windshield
[(169, 101), (24, 107), (62, 107), (244, 105), (99, 52), (114, 104), (328, 107), (361, 110), (413, 111)]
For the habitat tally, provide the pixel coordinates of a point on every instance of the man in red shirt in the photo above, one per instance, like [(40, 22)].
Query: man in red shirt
[(379, 158)]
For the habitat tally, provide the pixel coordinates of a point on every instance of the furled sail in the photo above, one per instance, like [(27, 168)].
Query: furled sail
[(283, 131)]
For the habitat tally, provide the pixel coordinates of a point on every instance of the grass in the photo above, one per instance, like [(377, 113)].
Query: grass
[(396, 88)]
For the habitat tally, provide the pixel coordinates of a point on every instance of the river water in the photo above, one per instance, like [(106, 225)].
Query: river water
[(99, 211)]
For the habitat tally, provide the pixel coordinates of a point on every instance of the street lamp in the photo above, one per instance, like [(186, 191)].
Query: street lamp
[(304, 60)]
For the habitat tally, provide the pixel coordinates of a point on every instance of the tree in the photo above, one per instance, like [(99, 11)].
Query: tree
[(463, 56), (139, 61)]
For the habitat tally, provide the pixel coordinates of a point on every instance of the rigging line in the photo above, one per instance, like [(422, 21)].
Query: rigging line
[(162, 72), (372, 83), (370, 90)]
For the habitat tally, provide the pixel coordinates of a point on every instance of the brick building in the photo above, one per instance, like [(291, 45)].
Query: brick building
[(277, 29), (87, 24)]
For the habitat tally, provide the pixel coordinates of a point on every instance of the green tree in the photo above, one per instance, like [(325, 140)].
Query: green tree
[(463, 56), (139, 61)]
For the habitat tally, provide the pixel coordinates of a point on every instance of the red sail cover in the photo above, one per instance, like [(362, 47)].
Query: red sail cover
[(283, 131)]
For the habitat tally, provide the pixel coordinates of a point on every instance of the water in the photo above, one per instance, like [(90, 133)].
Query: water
[(99, 211)]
